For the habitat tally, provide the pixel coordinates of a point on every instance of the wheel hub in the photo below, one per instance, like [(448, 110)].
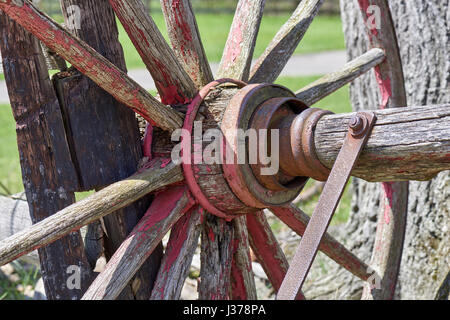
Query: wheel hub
[(260, 122)]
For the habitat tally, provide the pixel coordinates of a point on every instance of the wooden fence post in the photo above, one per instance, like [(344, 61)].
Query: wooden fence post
[(104, 134), (49, 175)]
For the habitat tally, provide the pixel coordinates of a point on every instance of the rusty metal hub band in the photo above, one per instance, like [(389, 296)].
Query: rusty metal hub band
[(298, 147), (245, 187)]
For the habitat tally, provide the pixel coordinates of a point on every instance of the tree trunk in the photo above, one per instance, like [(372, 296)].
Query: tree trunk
[(422, 30)]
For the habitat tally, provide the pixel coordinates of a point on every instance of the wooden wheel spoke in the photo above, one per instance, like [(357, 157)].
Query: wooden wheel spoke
[(216, 256), (178, 256), (92, 64), (167, 208), (331, 82), (266, 248), (391, 226), (237, 56), (185, 39), (100, 204), (173, 83), (270, 64), (297, 220), (242, 277)]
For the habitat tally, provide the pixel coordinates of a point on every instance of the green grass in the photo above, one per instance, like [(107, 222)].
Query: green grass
[(343, 210), (338, 102), (324, 34), (9, 156), (14, 290)]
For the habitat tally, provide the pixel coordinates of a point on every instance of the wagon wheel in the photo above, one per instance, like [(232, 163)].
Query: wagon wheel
[(225, 202)]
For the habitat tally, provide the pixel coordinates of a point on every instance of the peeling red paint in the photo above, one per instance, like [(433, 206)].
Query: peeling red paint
[(147, 143), (234, 49), (161, 207), (177, 239), (165, 162), (167, 86), (389, 193), (211, 235), (182, 25), (385, 87)]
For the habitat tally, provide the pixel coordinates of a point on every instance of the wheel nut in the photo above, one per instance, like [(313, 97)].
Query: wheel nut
[(356, 124)]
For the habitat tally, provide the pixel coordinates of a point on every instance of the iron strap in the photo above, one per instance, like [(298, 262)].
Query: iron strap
[(358, 133)]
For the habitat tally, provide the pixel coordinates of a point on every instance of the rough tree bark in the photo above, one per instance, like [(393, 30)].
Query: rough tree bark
[(423, 33)]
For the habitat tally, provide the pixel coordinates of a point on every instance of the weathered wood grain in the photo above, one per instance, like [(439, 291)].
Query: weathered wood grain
[(331, 82), (270, 64), (267, 250), (48, 173), (167, 208), (116, 196), (242, 277), (216, 256), (406, 143), (178, 256), (238, 53), (297, 220), (92, 64), (103, 133), (186, 41), (174, 85)]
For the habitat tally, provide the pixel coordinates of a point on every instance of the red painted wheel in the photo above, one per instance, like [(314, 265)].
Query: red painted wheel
[(222, 203)]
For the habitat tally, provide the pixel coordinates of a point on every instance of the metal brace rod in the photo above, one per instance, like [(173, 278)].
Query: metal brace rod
[(358, 133)]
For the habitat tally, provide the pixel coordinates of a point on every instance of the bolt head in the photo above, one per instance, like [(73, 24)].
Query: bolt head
[(356, 125)]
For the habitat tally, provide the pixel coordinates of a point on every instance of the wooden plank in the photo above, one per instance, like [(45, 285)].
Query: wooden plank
[(92, 64), (270, 64), (238, 53), (48, 172), (104, 133), (178, 256), (173, 83), (406, 143), (267, 250), (216, 256), (186, 41), (242, 277), (331, 82), (167, 208), (116, 196)]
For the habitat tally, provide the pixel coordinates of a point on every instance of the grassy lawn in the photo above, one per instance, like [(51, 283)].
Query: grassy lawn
[(16, 286), (324, 34), (10, 174)]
